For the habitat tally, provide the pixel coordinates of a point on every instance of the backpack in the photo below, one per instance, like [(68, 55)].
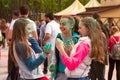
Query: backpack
[(115, 50)]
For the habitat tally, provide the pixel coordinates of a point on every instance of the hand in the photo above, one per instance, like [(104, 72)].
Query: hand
[(47, 48), (60, 46), (52, 67)]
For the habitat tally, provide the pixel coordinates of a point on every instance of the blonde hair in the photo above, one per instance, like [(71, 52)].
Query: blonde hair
[(114, 29), (97, 40), (70, 18)]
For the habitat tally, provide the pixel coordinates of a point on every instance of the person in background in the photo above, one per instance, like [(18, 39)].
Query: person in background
[(91, 41), (31, 27), (109, 24), (4, 29), (13, 72), (42, 34), (105, 30), (39, 25), (115, 36), (51, 31), (15, 16)]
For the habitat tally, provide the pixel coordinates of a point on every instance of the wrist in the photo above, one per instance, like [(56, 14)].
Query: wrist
[(43, 54)]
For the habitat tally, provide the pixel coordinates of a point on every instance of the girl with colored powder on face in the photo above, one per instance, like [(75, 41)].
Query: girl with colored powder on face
[(23, 55), (67, 36), (89, 46)]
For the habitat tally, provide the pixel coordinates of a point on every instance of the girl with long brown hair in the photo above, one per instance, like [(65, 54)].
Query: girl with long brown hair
[(23, 55)]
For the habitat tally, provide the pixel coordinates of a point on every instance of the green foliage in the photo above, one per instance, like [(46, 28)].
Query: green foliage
[(37, 6)]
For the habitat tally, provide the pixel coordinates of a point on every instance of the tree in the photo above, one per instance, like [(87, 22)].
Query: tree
[(36, 6)]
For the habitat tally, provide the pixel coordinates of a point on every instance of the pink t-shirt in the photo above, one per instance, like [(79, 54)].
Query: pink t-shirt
[(111, 41)]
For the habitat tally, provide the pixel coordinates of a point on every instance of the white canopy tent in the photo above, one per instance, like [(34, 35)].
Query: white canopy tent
[(75, 8), (92, 3)]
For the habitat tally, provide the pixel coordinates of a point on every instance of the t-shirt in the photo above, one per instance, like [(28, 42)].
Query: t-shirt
[(12, 24), (52, 28), (31, 27)]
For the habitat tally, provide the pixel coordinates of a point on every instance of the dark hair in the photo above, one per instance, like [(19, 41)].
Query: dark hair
[(16, 13), (50, 16), (96, 16), (104, 29), (24, 10)]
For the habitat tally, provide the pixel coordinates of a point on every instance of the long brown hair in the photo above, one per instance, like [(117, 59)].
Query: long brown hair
[(97, 40), (19, 36)]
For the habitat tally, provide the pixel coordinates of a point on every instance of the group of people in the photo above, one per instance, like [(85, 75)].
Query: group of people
[(76, 48)]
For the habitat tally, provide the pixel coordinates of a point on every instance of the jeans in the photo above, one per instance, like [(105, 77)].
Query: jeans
[(83, 78), (34, 45)]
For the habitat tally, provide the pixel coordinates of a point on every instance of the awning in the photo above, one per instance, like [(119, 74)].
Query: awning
[(92, 3), (75, 8)]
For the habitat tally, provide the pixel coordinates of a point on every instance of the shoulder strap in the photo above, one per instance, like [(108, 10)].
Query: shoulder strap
[(116, 40)]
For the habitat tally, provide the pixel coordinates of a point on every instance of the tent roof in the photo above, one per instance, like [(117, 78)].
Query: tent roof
[(91, 11), (75, 8), (92, 3)]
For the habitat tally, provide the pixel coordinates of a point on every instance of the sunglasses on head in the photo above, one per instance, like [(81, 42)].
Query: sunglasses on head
[(63, 23), (66, 22)]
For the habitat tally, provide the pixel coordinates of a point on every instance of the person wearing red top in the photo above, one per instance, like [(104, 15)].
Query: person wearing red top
[(115, 36)]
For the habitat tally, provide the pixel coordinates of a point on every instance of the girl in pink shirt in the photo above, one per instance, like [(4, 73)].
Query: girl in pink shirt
[(115, 36), (89, 46)]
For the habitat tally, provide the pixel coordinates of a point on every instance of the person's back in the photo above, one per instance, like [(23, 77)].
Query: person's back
[(55, 28), (115, 37), (31, 27), (51, 31)]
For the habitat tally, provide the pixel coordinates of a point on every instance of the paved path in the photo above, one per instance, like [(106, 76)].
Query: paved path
[(3, 66), (3, 63)]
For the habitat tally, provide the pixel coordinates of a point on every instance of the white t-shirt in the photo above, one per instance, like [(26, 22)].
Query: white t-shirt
[(52, 28), (30, 27), (11, 24)]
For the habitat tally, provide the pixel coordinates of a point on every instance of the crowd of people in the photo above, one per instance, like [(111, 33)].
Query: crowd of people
[(70, 47)]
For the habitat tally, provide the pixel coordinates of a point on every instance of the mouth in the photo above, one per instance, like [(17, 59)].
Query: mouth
[(62, 29)]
